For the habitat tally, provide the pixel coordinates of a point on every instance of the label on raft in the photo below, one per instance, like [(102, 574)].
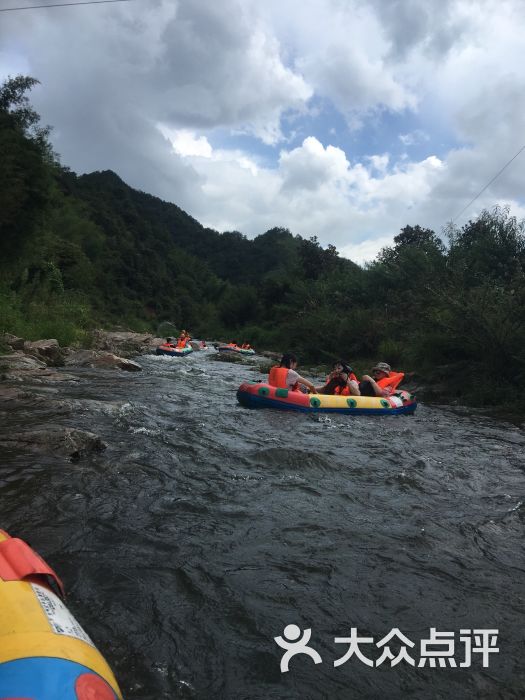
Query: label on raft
[(59, 617)]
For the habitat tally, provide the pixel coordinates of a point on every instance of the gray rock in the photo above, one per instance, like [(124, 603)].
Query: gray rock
[(20, 361), (125, 343), (12, 341), (69, 442), (49, 351), (36, 376), (100, 358)]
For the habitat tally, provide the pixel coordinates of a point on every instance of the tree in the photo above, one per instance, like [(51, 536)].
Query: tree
[(25, 172)]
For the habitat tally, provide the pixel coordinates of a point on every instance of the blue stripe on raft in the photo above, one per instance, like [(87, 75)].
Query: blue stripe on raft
[(250, 401), (41, 678)]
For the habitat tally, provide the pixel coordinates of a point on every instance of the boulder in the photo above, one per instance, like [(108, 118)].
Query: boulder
[(20, 361), (55, 439), (49, 351), (270, 354), (229, 357), (36, 376), (125, 343), (12, 341), (100, 358)]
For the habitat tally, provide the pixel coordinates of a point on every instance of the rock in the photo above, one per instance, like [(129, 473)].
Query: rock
[(195, 345), (271, 355), (36, 376), (49, 351), (9, 394), (100, 358), (125, 343), (12, 341), (228, 357), (20, 361), (71, 442)]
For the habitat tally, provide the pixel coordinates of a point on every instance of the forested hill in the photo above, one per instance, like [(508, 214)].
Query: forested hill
[(76, 252), (148, 259), (117, 207)]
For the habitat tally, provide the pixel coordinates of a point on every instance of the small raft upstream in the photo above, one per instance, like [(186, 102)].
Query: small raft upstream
[(237, 349), (173, 351), (263, 395)]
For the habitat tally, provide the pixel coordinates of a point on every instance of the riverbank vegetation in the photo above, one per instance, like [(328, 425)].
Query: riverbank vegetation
[(83, 251)]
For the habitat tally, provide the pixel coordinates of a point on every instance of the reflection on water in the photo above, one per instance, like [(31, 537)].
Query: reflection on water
[(205, 528)]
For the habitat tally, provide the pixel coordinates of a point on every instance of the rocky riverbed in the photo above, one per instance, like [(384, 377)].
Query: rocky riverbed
[(32, 374)]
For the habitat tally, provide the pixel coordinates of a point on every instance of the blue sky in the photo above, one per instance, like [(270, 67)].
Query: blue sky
[(345, 120)]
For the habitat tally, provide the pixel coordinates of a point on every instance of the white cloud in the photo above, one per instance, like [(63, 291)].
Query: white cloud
[(194, 67), (311, 166), (186, 143), (414, 138)]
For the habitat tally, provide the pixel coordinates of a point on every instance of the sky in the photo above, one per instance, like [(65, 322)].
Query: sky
[(341, 119)]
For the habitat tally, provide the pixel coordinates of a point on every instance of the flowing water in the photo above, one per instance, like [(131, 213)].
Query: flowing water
[(204, 529)]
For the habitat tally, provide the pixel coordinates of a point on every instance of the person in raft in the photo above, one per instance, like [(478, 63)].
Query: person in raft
[(284, 376), (341, 380), (183, 339), (383, 381)]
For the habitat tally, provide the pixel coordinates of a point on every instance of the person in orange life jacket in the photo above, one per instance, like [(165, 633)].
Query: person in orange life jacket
[(183, 339), (284, 375), (382, 382), (341, 380)]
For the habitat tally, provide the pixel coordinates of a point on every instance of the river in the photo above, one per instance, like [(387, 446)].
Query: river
[(204, 529)]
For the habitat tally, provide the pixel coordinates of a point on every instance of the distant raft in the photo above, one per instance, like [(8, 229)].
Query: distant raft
[(265, 396), (237, 349), (173, 351), (44, 653)]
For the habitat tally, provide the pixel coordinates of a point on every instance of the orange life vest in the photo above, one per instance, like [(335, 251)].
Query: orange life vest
[(278, 378), (345, 391), (181, 343), (392, 381)]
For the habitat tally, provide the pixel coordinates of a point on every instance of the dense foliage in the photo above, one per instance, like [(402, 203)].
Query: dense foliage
[(82, 251)]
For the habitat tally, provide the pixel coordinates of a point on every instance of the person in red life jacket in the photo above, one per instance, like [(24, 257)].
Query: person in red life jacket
[(284, 376), (383, 381), (341, 380)]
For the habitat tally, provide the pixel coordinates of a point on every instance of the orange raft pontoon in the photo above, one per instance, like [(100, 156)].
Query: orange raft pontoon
[(44, 653)]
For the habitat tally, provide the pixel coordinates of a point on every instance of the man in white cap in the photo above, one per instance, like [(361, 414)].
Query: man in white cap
[(382, 382)]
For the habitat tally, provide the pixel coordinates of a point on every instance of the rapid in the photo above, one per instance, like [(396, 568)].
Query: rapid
[(204, 529)]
